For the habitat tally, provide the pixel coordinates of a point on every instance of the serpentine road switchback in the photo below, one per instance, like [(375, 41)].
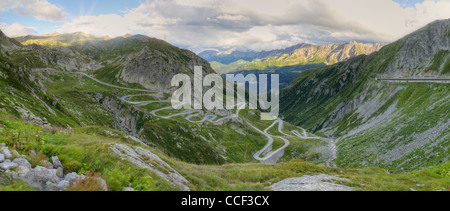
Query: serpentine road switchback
[(269, 156)]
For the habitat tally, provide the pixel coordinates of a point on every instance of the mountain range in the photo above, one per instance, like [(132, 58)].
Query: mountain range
[(102, 105), (302, 54)]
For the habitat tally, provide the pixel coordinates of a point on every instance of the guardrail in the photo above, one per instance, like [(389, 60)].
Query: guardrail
[(415, 80)]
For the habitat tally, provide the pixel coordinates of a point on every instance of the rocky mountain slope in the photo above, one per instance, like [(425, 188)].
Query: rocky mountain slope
[(108, 126), (398, 126), (302, 54), (52, 86), (58, 40), (137, 59)]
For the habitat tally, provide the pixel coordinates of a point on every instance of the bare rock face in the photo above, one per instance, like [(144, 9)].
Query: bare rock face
[(154, 69), (311, 183), (418, 50), (144, 159), (64, 58)]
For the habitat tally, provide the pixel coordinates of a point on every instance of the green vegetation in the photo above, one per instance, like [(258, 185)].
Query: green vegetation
[(438, 60), (58, 40), (446, 68), (85, 149), (399, 127)]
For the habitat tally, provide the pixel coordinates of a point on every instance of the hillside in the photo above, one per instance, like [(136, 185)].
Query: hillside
[(102, 107), (55, 40), (85, 149), (127, 90), (397, 126), (302, 54)]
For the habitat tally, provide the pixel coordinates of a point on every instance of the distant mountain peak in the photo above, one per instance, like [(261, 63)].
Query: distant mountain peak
[(226, 52), (127, 35), (300, 54), (49, 34)]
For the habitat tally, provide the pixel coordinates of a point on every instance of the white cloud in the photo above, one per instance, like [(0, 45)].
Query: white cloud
[(111, 25), (265, 24), (17, 30), (40, 9)]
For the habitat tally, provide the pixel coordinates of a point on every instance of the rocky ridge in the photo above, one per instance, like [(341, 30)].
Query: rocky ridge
[(144, 159), (299, 54)]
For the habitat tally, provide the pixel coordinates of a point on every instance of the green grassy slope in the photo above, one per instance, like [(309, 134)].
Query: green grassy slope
[(86, 149)]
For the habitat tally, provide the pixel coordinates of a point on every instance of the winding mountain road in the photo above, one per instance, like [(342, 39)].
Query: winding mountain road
[(269, 156), (415, 80)]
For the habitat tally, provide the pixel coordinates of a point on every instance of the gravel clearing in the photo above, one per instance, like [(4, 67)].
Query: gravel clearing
[(311, 183)]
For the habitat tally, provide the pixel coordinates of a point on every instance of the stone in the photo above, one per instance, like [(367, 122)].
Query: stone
[(63, 185), (13, 174), (2, 158), (128, 189), (22, 171), (139, 156), (7, 153), (2, 145), (8, 166), (46, 164), (72, 177), (56, 162), (311, 183), (60, 173), (15, 153), (102, 183), (39, 176), (22, 162), (50, 186)]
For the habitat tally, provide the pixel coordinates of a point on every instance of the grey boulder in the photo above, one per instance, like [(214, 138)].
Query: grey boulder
[(15, 153), (56, 162), (60, 173), (73, 177), (22, 162), (22, 171), (39, 176), (7, 153), (64, 184), (8, 165)]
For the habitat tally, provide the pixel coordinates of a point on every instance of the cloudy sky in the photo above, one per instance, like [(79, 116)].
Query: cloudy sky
[(223, 24)]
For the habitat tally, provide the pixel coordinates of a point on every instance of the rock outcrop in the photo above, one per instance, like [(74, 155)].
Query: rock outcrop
[(50, 178), (311, 183), (144, 159), (154, 69)]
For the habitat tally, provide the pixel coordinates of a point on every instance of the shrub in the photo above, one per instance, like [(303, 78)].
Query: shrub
[(37, 158)]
